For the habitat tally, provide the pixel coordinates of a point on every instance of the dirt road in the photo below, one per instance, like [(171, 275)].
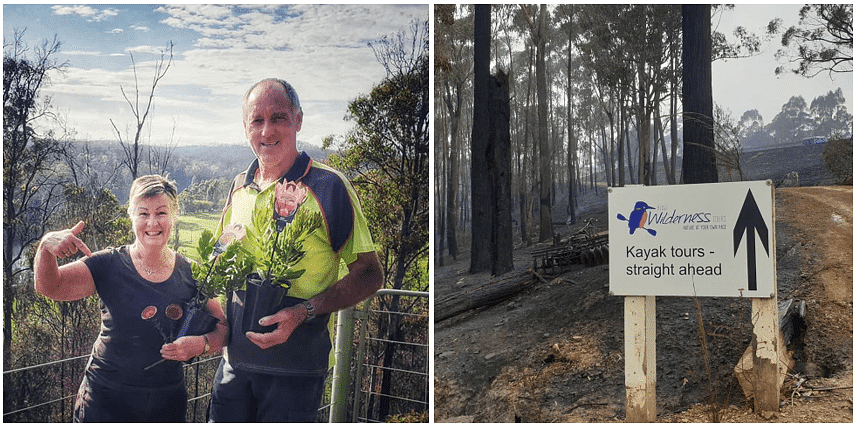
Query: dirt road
[(554, 353)]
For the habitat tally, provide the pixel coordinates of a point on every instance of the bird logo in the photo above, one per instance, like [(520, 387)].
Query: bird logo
[(637, 219)]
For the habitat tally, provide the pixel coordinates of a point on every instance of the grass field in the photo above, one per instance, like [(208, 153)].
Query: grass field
[(191, 227)]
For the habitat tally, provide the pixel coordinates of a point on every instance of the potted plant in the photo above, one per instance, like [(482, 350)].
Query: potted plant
[(227, 263), (260, 258), (273, 244), (225, 268)]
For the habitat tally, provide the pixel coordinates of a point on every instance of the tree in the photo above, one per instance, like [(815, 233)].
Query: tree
[(141, 112), (443, 55), (728, 148), (792, 123), (821, 41), (605, 52), (539, 32), (31, 186), (498, 157), (698, 161), (750, 123), (830, 115), (204, 196), (453, 69), (390, 146), (748, 43), (160, 156), (565, 15), (388, 153), (752, 130), (60, 330), (630, 50), (481, 224)]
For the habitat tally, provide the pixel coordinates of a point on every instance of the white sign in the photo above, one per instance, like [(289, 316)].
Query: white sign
[(696, 239)]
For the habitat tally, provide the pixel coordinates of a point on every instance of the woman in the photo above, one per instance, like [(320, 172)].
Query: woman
[(117, 385)]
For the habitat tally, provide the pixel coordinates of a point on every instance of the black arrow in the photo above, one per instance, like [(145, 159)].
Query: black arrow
[(750, 219)]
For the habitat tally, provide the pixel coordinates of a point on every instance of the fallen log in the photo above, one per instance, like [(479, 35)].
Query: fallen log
[(495, 291)]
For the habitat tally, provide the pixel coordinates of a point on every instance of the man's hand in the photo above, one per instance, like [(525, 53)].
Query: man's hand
[(287, 320)]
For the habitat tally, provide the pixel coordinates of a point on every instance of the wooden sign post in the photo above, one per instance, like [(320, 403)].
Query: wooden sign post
[(704, 240), (639, 321), (767, 381)]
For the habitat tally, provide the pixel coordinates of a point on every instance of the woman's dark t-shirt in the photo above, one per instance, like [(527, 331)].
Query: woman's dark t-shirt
[(127, 343)]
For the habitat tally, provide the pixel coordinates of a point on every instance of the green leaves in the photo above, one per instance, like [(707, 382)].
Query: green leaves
[(260, 249), (205, 246), (224, 272), (275, 256)]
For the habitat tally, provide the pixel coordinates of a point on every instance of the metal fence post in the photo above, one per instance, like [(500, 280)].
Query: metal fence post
[(343, 351), (363, 315)]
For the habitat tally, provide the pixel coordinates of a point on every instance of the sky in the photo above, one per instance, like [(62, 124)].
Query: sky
[(750, 83), (219, 52)]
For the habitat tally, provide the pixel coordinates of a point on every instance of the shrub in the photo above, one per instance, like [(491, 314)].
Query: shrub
[(838, 158), (411, 417)]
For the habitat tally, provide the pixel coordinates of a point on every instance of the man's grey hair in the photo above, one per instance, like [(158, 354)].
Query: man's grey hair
[(290, 92)]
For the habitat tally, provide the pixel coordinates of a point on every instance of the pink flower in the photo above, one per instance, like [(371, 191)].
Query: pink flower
[(148, 312), (174, 312), (231, 232), (288, 197)]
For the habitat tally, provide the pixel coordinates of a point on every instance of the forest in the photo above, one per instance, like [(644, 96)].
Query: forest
[(540, 110), (51, 180), (596, 95)]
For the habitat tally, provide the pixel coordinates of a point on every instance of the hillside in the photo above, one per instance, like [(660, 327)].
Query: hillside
[(236, 155), (188, 164)]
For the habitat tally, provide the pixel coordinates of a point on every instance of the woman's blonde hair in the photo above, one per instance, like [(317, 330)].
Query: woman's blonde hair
[(152, 185)]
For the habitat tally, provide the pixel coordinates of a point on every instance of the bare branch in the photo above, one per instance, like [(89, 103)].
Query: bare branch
[(132, 150)]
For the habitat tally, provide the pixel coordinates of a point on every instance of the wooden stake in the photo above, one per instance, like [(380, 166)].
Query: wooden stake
[(764, 313), (764, 316), (639, 320)]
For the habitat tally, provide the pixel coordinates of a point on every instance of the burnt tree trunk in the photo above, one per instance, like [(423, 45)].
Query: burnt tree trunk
[(481, 221), (499, 168), (546, 231), (698, 137), (453, 178), (572, 147)]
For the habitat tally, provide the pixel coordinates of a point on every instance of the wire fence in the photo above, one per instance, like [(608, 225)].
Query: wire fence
[(57, 404), (386, 375)]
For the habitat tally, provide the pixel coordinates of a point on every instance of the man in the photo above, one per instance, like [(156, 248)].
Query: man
[(279, 376)]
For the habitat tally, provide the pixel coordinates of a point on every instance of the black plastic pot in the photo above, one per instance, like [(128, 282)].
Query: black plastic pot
[(262, 298), (196, 320)]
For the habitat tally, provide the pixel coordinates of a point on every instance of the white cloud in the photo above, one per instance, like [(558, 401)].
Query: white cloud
[(74, 10), (321, 50), (82, 53), (115, 31), (325, 73), (290, 27), (154, 50), (85, 11)]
